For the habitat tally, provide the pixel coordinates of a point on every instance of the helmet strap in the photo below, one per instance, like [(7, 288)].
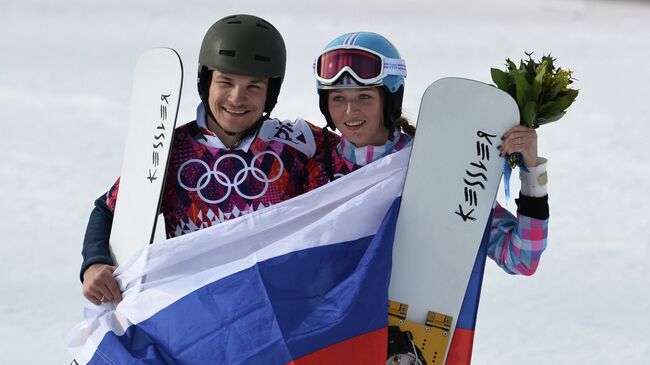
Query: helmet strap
[(392, 108), (322, 103), (272, 93)]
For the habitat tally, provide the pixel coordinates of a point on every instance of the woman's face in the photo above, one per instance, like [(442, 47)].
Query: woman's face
[(358, 114)]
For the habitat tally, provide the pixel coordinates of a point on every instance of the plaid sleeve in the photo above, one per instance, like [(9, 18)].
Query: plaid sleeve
[(516, 244)]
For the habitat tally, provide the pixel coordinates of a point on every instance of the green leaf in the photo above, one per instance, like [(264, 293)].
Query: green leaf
[(550, 60), (530, 66), (529, 114), (500, 78), (537, 84), (553, 92), (542, 121), (523, 88), (568, 96), (530, 70), (572, 94), (551, 109)]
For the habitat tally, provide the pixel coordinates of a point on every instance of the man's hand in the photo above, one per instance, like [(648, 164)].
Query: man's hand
[(100, 286)]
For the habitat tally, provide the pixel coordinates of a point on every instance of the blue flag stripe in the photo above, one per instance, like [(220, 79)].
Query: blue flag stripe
[(276, 311)]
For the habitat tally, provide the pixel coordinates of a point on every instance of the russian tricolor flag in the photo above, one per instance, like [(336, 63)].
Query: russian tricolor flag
[(301, 282)]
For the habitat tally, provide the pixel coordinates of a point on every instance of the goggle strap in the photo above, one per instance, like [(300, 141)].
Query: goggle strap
[(394, 66)]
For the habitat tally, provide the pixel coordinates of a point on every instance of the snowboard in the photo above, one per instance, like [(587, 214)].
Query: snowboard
[(451, 184), (154, 108)]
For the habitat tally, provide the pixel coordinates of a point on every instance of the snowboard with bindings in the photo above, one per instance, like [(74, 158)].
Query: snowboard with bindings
[(452, 181)]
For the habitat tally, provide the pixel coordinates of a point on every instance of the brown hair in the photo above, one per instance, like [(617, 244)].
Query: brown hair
[(405, 126)]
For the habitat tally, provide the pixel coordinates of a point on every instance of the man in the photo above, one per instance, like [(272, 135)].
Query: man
[(232, 160)]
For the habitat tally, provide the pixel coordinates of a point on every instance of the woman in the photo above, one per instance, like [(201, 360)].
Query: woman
[(360, 81)]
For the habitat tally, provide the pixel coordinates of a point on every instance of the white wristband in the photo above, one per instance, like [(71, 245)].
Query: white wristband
[(533, 182)]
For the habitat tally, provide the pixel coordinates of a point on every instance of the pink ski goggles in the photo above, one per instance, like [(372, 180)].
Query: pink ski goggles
[(365, 66)]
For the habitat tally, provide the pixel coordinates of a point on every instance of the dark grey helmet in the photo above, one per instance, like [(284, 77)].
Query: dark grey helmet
[(243, 45)]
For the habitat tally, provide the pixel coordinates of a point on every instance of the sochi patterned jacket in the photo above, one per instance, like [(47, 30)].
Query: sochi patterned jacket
[(207, 183)]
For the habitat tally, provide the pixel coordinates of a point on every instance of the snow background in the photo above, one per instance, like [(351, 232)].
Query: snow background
[(65, 83)]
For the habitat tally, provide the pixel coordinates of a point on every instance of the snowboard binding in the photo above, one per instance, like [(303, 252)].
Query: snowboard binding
[(411, 343), (402, 349)]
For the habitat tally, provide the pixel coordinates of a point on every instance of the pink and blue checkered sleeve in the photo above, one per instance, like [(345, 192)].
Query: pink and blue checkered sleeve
[(516, 244)]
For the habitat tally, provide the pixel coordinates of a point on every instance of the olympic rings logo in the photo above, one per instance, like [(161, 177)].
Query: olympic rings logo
[(223, 179)]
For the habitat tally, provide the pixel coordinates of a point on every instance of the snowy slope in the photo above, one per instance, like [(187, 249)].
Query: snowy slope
[(65, 86)]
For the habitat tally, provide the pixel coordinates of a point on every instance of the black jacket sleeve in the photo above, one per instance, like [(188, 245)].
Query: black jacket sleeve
[(533, 207), (95, 246)]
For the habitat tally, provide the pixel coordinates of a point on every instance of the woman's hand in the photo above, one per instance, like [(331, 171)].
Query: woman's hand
[(523, 140)]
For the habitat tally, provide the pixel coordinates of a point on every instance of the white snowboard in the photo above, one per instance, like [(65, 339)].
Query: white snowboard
[(154, 108), (452, 181)]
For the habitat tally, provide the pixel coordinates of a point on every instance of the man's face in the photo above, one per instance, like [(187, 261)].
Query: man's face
[(236, 101)]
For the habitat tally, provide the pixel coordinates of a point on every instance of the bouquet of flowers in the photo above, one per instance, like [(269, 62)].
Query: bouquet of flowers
[(542, 91)]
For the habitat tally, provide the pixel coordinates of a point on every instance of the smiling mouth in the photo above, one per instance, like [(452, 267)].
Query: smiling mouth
[(355, 124), (237, 112)]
